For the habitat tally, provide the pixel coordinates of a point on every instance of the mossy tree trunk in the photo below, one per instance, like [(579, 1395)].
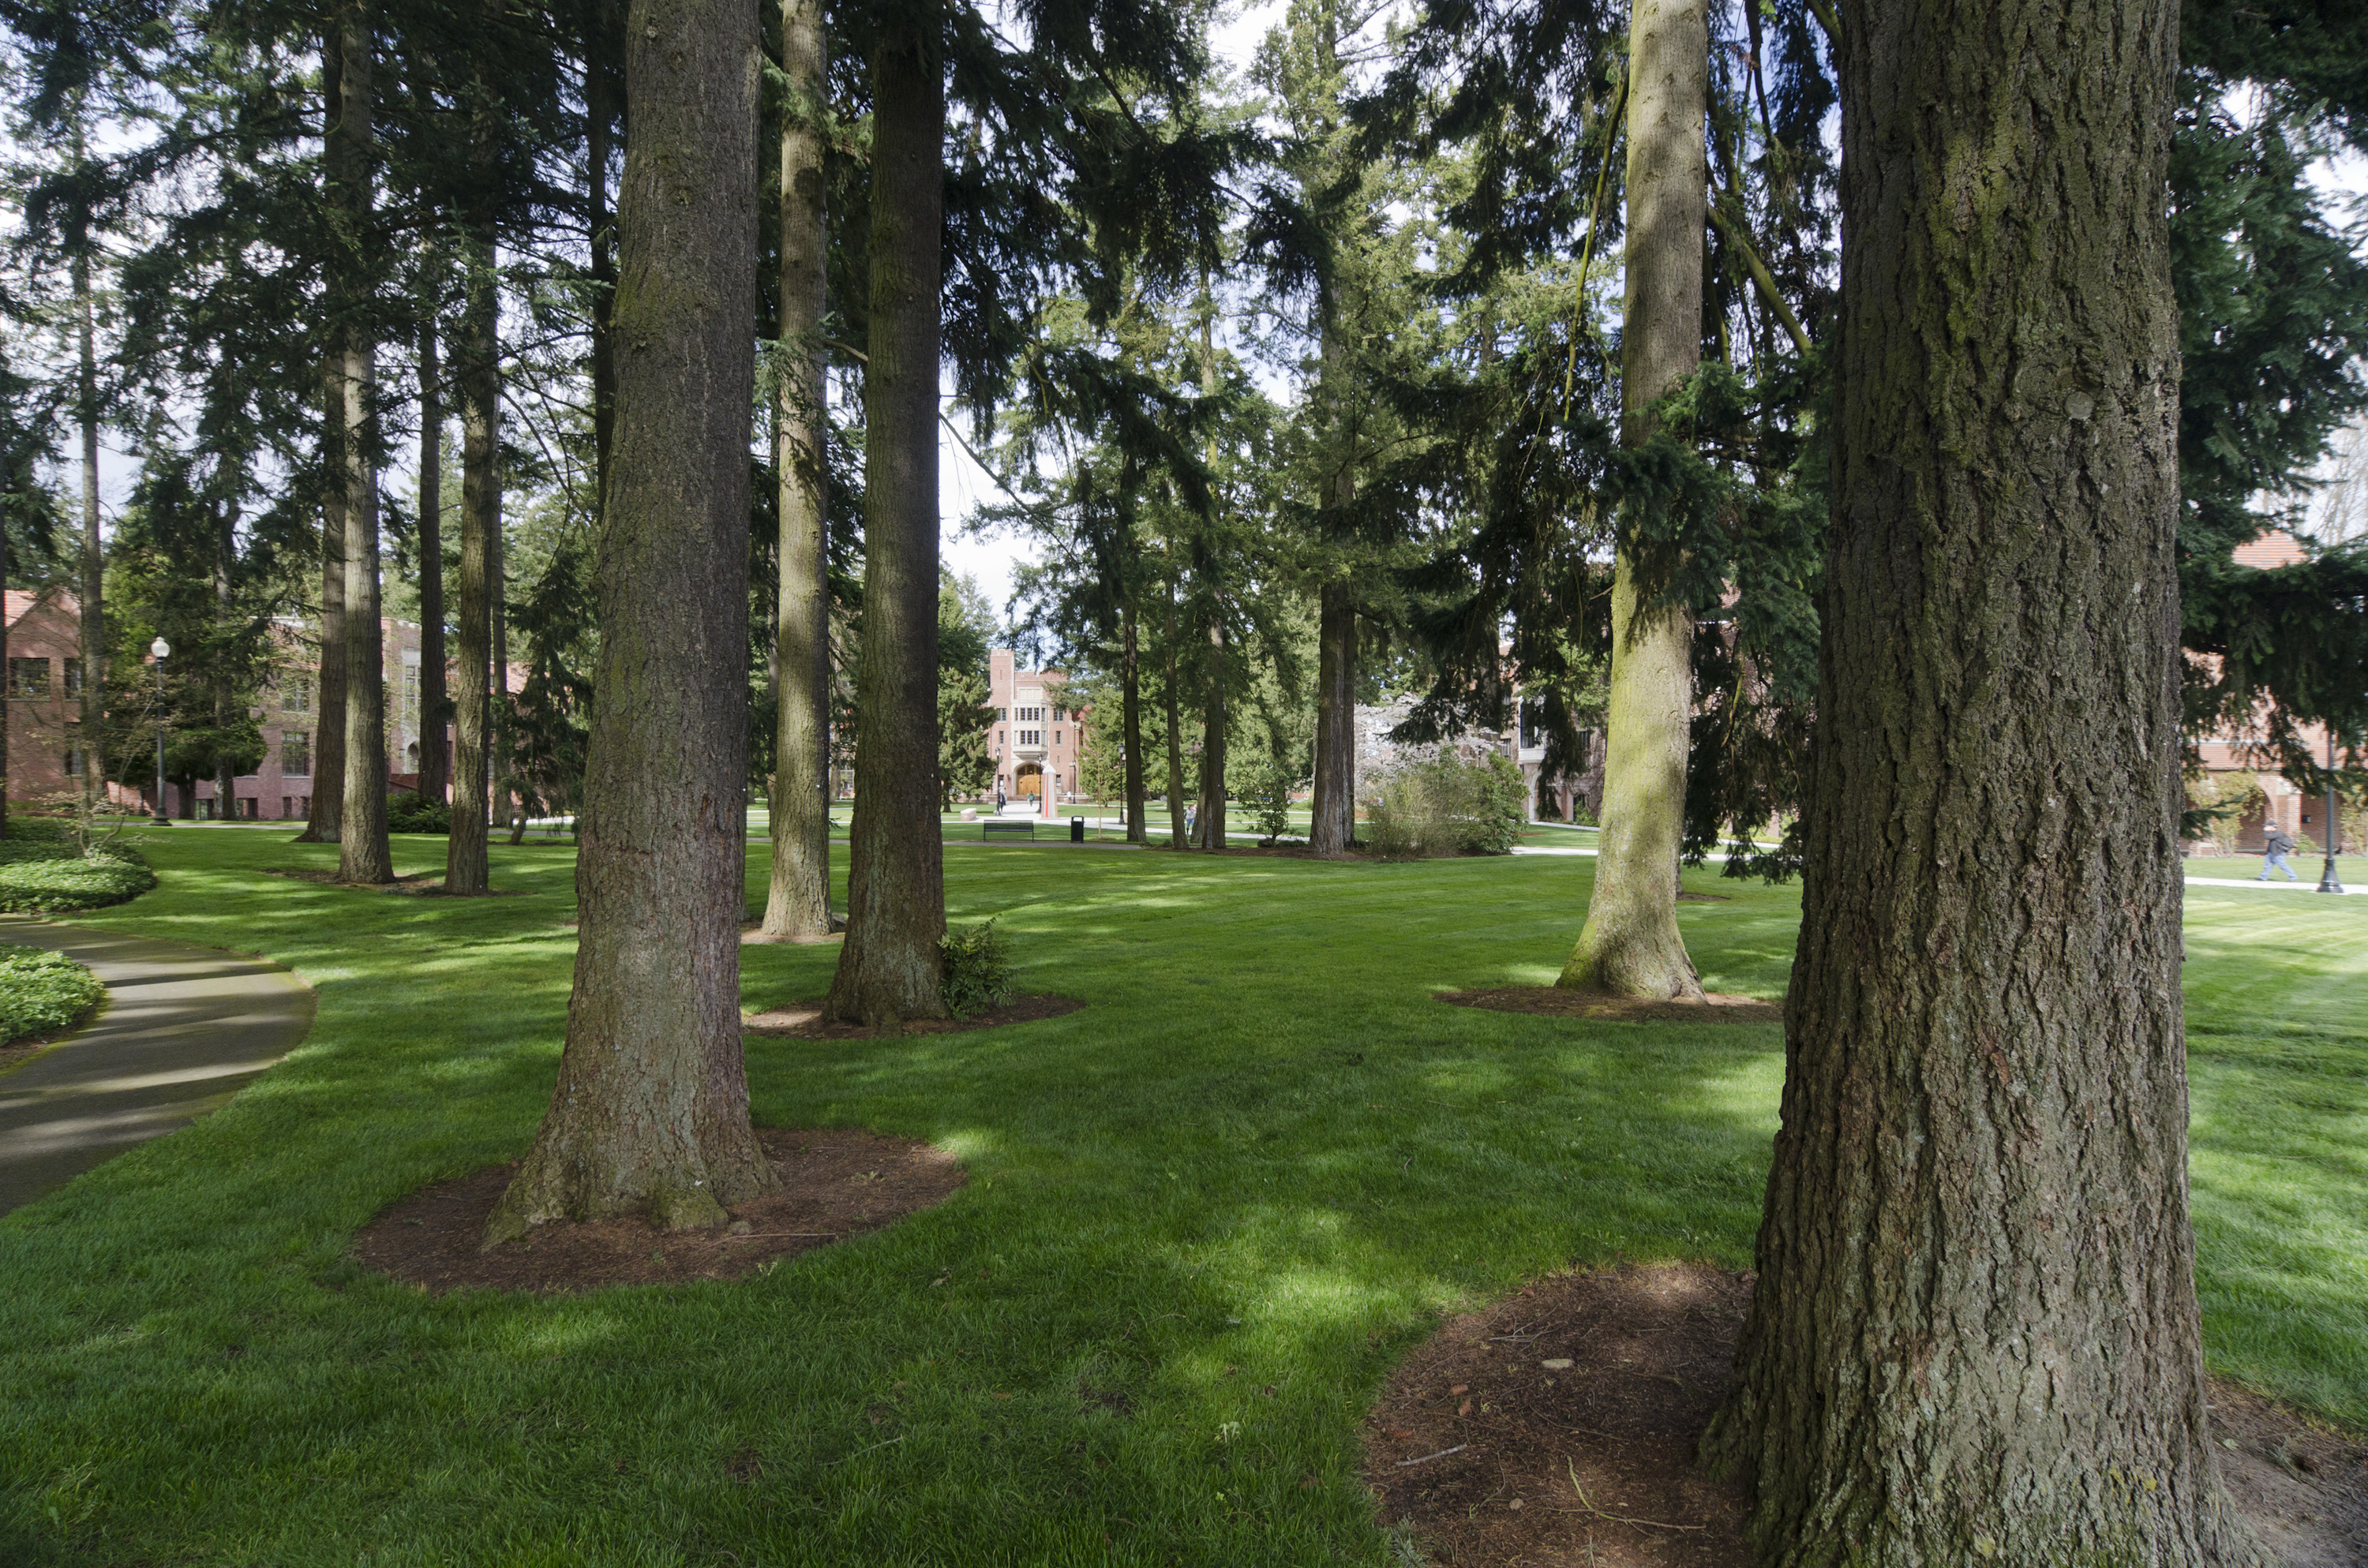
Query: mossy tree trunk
[(1209, 825), (1973, 1335), (1630, 945), (891, 967), (651, 1112), (797, 900), (1332, 806), (362, 853)]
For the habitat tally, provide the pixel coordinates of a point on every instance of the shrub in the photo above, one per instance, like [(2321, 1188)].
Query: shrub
[(977, 966), (1264, 788), (411, 811), (42, 991), (1446, 806), (44, 871)]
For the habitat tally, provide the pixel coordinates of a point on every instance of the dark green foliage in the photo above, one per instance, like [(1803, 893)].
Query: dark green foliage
[(977, 968), (410, 812), (44, 871), (965, 628), (1264, 786), (42, 991)]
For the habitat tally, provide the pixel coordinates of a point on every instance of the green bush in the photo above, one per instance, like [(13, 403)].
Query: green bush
[(1264, 789), (412, 812), (43, 871), (42, 991), (977, 966), (1446, 806)]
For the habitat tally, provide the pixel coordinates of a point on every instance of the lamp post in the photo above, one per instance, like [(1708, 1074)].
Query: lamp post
[(2328, 880), (160, 648)]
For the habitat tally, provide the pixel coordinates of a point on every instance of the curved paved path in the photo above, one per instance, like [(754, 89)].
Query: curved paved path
[(185, 1029)]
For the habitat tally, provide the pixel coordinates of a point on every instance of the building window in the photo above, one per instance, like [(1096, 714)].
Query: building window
[(1059, 714), (29, 677), (73, 677), (1057, 735), (296, 695), (74, 762), (296, 755), (286, 807)]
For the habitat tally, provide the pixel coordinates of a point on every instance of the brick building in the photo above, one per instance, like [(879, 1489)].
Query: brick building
[(2225, 751), (1036, 739), (44, 687)]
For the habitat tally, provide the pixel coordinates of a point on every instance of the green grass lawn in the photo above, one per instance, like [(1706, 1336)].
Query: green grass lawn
[(1206, 1215)]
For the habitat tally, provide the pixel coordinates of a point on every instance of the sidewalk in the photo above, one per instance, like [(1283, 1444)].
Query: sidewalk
[(184, 1030)]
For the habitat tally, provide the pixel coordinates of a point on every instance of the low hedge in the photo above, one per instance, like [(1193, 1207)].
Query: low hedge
[(43, 871), (42, 991)]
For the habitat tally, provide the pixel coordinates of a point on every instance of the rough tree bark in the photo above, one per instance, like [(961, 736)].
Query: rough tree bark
[(225, 552), (651, 1110), (478, 374), (93, 735), (481, 521), (434, 759), (1208, 824), (362, 852), (1332, 806), (323, 823), (1138, 801), (1974, 1333), (891, 967), (1630, 945), (797, 900)]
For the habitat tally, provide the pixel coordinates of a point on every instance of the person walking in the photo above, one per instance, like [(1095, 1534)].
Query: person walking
[(2275, 847)]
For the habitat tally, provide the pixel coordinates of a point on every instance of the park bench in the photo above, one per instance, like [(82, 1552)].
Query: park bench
[(1008, 829)]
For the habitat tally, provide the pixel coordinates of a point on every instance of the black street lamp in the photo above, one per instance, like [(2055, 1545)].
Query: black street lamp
[(2328, 880), (160, 648)]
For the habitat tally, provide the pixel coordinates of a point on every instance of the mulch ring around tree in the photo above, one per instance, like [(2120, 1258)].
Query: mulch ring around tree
[(1553, 1002), (804, 1021), (835, 1182), (1559, 1428), (419, 884)]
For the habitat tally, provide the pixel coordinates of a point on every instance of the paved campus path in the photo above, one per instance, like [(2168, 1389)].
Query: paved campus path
[(185, 1028)]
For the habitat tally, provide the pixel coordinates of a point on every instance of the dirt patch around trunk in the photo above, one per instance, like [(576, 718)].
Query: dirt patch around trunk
[(1558, 1428), (804, 1021), (1553, 1002), (835, 1182), (419, 884)]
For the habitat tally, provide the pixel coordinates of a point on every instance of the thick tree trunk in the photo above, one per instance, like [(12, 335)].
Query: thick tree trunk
[(1209, 827), (93, 736), (328, 778), (891, 967), (797, 901), (1178, 835), (651, 1110), (1138, 801), (479, 366), (1333, 822), (434, 759), (362, 854), (1974, 1333), (1630, 945), (497, 678)]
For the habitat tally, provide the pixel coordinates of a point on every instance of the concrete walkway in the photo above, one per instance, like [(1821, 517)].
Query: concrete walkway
[(185, 1028)]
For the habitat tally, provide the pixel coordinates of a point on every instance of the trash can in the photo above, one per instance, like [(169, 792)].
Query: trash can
[(1076, 830)]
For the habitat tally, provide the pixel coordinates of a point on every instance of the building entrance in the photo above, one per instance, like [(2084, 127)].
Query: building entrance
[(1029, 782)]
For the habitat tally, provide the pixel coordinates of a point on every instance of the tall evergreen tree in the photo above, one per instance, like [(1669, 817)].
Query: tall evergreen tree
[(1630, 944), (797, 901)]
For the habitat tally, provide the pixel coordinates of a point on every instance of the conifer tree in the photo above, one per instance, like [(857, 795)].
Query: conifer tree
[(651, 1112)]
